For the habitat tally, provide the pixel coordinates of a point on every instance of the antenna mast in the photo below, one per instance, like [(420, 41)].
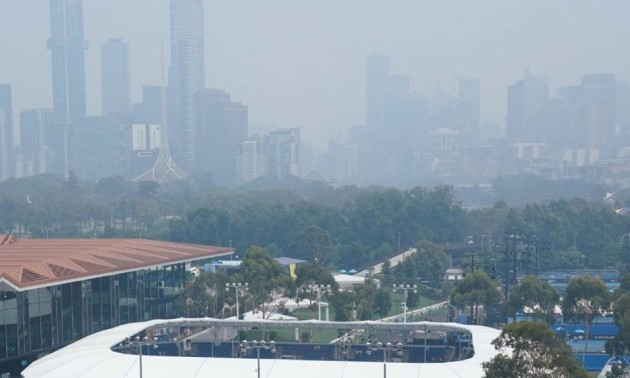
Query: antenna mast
[(164, 169)]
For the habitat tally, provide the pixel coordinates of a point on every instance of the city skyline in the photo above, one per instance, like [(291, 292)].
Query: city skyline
[(278, 68)]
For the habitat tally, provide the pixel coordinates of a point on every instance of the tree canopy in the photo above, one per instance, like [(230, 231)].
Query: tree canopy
[(475, 289), (531, 350), (265, 277), (534, 298), (586, 297)]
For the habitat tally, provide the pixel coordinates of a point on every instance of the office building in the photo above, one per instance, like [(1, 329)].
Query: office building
[(149, 111), (469, 110), (56, 291), (251, 161), (377, 82), (283, 153), (37, 133), (115, 81), (100, 147), (526, 99), (186, 77), (6, 132), (67, 47), (220, 129)]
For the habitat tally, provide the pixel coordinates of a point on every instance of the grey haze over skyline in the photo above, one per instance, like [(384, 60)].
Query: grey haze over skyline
[(302, 63)]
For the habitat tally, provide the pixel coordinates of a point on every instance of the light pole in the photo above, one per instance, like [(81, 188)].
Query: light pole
[(139, 343), (425, 343), (387, 351), (258, 345), (319, 289), (405, 290), (237, 286)]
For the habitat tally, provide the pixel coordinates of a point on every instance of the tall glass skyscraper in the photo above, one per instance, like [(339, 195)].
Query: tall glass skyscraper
[(115, 83), (68, 72), (6, 132), (186, 77)]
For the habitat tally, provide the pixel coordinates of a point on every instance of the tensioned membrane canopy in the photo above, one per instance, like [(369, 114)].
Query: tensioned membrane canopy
[(92, 357)]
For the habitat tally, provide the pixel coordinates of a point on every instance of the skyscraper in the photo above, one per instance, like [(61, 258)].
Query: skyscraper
[(115, 82), (283, 153), (220, 129), (469, 110), (526, 99), (68, 74), (377, 82), (36, 135), (186, 77), (99, 146), (6, 132)]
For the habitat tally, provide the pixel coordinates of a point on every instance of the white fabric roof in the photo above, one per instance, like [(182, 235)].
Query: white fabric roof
[(92, 357)]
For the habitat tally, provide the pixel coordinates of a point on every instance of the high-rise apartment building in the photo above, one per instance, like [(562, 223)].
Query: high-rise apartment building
[(377, 82), (6, 132), (251, 161), (186, 77), (220, 129), (283, 153), (37, 133), (526, 99), (100, 147), (149, 111), (67, 48), (115, 81), (469, 110)]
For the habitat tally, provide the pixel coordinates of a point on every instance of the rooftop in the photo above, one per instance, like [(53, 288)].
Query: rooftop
[(31, 263), (93, 356)]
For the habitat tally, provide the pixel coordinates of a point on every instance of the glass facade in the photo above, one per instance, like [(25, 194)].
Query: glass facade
[(47, 318)]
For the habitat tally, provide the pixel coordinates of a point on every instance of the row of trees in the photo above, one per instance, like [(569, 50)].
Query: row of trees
[(346, 227), (586, 297)]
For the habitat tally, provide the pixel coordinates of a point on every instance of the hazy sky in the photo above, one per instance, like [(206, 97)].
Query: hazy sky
[(301, 63)]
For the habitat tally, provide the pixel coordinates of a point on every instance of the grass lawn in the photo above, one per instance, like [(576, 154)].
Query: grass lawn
[(288, 335), (396, 308)]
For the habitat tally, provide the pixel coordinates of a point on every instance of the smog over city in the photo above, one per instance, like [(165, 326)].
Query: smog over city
[(434, 188)]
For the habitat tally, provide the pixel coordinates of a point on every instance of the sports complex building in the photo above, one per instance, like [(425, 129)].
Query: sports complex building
[(208, 347), (56, 291)]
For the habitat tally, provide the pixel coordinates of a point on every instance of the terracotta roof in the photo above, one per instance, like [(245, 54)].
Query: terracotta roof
[(25, 263)]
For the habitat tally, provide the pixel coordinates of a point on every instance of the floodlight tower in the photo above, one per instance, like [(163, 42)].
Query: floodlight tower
[(237, 286), (138, 343), (405, 290), (319, 289)]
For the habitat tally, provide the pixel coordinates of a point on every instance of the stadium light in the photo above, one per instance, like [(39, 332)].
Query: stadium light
[(387, 349), (405, 290), (320, 289), (138, 343), (258, 345), (237, 286)]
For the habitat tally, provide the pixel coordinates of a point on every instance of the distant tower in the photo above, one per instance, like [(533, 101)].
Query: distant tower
[(36, 135), (6, 132), (220, 129), (115, 82), (186, 76), (377, 81), (469, 109), (526, 99), (68, 73), (164, 169)]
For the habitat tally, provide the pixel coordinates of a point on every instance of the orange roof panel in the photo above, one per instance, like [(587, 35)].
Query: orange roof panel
[(40, 262)]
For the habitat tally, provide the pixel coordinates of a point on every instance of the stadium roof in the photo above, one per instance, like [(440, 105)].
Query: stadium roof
[(92, 357), (30, 263)]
